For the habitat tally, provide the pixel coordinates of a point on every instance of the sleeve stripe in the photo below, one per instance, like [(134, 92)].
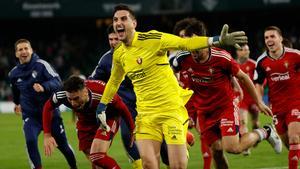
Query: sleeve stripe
[(182, 53), (48, 68), (61, 94), (96, 96)]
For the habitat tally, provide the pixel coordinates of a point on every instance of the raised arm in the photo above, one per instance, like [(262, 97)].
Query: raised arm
[(170, 41)]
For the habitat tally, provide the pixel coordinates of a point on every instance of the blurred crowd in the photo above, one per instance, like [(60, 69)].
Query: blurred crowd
[(74, 45)]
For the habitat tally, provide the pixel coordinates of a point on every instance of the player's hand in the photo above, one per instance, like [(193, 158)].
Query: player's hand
[(265, 109), (101, 116), (18, 110), (230, 39), (49, 144), (38, 88)]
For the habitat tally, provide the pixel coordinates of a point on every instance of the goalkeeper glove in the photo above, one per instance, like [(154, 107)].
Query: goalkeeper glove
[(101, 116), (230, 39)]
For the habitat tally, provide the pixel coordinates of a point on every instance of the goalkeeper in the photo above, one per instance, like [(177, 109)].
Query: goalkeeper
[(160, 100)]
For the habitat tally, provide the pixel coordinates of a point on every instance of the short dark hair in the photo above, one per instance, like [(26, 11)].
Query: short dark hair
[(110, 29), (120, 7), (21, 41), (74, 83), (275, 28), (196, 27), (191, 26)]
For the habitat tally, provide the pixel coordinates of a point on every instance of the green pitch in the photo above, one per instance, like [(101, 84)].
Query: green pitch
[(13, 154)]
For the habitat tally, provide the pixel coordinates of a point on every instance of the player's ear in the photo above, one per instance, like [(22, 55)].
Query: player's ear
[(134, 23)]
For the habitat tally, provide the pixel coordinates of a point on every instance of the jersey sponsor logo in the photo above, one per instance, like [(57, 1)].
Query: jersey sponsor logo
[(135, 75), (280, 76), (173, 130), (206, 79), (226, 122), (139, 60)]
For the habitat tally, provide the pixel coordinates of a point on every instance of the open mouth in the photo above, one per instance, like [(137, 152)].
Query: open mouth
[(120, 30)]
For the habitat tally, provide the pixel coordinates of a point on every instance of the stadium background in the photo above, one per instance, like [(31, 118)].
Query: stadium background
[(71, 34)]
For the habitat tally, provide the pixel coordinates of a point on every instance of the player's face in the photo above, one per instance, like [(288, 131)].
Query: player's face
[(124, 25), (243, 53), (200, 55), (78, 99), (113, 40), (24, 52), (273, 40), (182, 33)]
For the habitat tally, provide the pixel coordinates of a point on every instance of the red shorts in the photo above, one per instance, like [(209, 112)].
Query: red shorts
[(282, 120), (221, 122), (114, 127), (86, 137)]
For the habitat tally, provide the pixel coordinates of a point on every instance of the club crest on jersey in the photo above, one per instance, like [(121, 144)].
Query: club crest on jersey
[(286, 65), (139, 60), (247, 68), (211, 70), (34, 74)]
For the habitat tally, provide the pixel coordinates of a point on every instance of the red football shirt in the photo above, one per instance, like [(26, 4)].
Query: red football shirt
[(87, 116), (249, 68), (282, 76), (211, 80)]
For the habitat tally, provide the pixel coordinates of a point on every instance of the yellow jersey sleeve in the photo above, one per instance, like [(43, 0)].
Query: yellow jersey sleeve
[(116, 77), (169, 41)]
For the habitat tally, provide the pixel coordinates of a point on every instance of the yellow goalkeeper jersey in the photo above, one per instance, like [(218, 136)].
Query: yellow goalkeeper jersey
[(146, 63)]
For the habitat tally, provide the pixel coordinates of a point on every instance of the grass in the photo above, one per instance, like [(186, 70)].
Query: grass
[(13, 154)]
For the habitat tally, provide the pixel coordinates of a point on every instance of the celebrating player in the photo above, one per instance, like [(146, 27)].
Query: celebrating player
[(83, 97), (102, 72), (33, 80), (280, 65), (160, 100), (211, 71)]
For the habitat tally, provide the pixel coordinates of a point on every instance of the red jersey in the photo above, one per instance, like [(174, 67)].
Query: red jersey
[(87, 116), (249, 68), (282, 77), (211, 80)]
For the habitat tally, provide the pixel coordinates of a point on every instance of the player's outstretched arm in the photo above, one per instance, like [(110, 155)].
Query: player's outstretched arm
[(229, 39)]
